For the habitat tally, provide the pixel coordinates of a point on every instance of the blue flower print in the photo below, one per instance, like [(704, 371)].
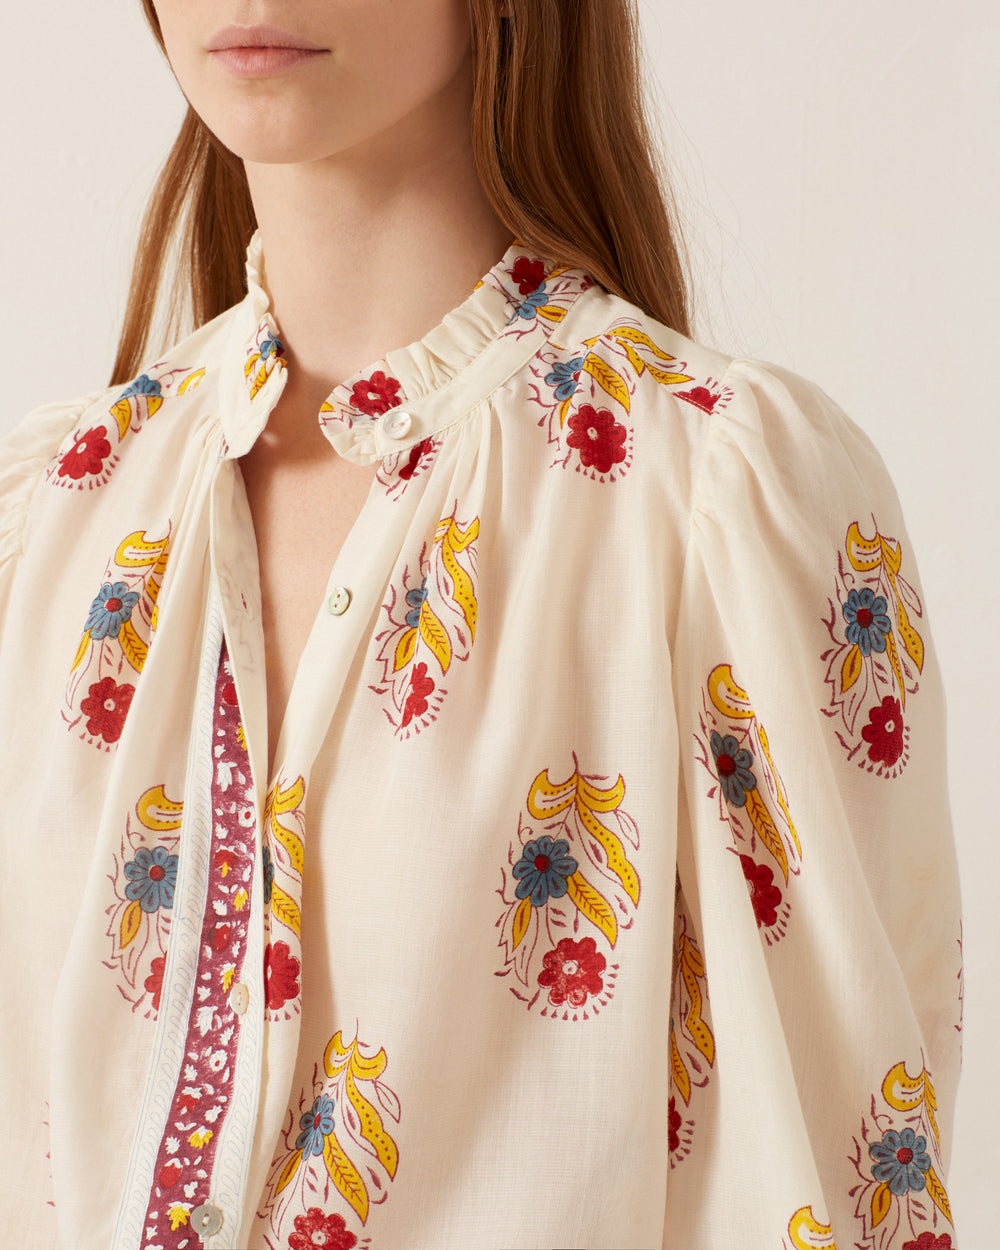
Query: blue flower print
[(531, 303), (867, 621), (732, 764), (415, 598), (110, 610), (268, 874), (317, 1125), (143, 385), (271, 347), (152, 878), (542, 870), (565, 376), (901, 1160)]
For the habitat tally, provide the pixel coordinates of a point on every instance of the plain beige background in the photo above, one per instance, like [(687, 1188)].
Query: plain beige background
[(838, 173)]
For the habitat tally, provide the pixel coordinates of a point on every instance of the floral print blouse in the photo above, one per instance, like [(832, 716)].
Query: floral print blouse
[(603, 893)]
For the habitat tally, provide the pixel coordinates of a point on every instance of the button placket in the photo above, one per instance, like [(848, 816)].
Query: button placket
[(339, 601)]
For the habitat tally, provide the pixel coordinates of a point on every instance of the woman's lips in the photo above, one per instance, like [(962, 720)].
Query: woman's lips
[(258, 62)]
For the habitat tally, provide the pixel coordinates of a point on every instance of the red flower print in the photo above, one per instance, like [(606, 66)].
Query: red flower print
[(170, 1174), (154, 982), (598, 437), (188, 1103), (316, 1229), (673, 1125), (224, 860), (927, 1241), (573, 971), (376, 394), (106, 707), (701, 397), (885, 732), (87, 455), (420, 687), (281, 977), (528, 274), (229, 694), (420, 449), (220, 936), (764, 894)]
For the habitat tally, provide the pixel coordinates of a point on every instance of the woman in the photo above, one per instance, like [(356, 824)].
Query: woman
[(509, 810)]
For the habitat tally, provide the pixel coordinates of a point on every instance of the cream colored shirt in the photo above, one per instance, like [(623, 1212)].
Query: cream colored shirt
[(603, 894)]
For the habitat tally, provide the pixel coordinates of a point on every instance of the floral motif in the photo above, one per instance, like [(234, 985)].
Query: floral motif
[(265, 356), (87, 454), (281, 975), (884, 732), (143, 882), (875, 665), (598, 438), (927, 1241), (282, 858), (898, 1162), (674, 1122), (577, 873), (692, 1042), (92, 453), (901, 1160), (152, 878), (543, 871), (339, 1144), (397, 470), (316, 1125), (867, 620), (529, 274), (110, 610), (732, 763), (376, 394), (438, 627), (764, 894), (117, 634), (572, 972), (564, 377), (314, 1229), (734, 750), (106, 707)]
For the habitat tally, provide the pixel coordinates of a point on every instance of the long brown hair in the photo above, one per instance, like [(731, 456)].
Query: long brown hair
[(563, 149)]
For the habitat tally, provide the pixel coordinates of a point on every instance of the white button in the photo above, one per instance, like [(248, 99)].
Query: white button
[(206, 1220), (239, 998), (397, 424), (340, 598)]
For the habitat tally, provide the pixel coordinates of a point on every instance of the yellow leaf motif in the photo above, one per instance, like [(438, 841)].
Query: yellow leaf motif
[(131, 922), (634, 359), (435, 635), (133, 647), (191, 382), (404, 649), (288, 1171), (905, 1093), (682, 1078), (881, 1204), (345, 1176), (729, 697), (893, 654), (938, 1194), (337, 1057), (228, 973), (201, 1137), (521, 918), (607, 378), (454, 539), (850, 670), (285, 909), (136, 551), (177, 1215), (551, 312), (668, 379), (807, 1233), (372, 1128), (618, 861), (280, 802), (157, 812), (630, 334), (81, 650), (593, 905), (765, 829), (693, 969), (122, 413), (240, 899)]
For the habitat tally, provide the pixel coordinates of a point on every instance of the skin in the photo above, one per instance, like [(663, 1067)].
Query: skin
[(374, 226)]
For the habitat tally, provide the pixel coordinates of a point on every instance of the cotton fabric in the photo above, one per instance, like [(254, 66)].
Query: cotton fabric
[(603, 893)]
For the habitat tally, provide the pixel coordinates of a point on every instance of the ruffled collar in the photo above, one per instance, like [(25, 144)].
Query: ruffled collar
[(414, 391)]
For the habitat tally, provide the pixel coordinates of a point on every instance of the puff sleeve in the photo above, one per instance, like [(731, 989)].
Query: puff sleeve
[(816, 1010)]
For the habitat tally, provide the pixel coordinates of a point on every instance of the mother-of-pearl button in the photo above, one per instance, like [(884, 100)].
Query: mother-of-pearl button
[(340, 598), (239, 998), (206, 1220), (397, 424)]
